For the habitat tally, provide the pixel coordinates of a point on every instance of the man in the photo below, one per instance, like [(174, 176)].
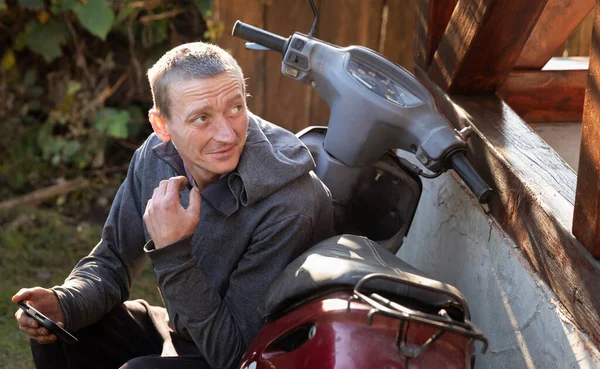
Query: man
[(218, 199)]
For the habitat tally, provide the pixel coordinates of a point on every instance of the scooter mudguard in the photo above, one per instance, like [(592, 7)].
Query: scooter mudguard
[(331, 333)]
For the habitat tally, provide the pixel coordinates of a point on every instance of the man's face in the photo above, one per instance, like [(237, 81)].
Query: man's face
[(208, 124)]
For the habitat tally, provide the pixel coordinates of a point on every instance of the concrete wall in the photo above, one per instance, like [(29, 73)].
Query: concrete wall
[(454, 240)]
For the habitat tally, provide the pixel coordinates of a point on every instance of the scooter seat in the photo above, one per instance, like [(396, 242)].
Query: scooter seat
[(338, 264)]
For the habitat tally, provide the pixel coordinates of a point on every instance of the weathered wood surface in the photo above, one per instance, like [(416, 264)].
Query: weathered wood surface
[(356, 22), (288, 101), (546, 96), (399, 23), (533, 200), (557, 22), (252, 63), (586, 225), (482, 43), (431, 20)]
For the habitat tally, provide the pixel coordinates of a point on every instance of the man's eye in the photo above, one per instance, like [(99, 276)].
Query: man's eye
[(237, 109), (200, 119)]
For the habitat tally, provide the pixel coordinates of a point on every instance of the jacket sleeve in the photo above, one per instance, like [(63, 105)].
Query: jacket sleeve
[(102, 279), (223, 328)]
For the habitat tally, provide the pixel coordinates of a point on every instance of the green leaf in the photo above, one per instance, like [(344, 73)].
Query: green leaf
[(124, 13), (113, 122), (55, 159), (203, 6), (35, 91), (160, 31), (96, 16), (137, 121), (32, 4), (8, 60), (30, 77), (45, 39), (70, 149), (59, 6), (20, 41), (19, 178), (73, 87), (34, 105)]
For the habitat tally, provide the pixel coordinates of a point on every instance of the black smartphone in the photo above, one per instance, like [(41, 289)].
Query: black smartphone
[(47, 323)]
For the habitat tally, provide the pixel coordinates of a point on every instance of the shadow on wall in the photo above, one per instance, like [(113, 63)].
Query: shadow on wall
[(453, 240)]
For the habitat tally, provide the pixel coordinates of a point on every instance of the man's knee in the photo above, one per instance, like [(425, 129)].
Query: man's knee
[(142, 362)]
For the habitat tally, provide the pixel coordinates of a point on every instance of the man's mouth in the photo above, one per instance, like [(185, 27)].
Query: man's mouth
[(224, 151)]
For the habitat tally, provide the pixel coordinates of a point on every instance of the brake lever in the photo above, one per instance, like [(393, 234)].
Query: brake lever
[(256, 47)]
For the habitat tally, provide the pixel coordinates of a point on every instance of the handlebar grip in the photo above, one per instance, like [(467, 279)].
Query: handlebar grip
[(259, 36), (469, 175)]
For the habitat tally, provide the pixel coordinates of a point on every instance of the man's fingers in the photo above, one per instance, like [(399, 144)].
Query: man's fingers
[(195, 202), (176, 184), (161, 190), (25, 321), (23, 294), (45, 339), (32, 332)]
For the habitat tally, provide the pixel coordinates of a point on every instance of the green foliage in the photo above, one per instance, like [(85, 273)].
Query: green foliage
[(44, 39), (32, 4), (73, 90), (59, 6), (203, 6), (96, 16), (113, 121)]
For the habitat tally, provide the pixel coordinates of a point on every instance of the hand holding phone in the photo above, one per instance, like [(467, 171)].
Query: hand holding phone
[(47, 323)]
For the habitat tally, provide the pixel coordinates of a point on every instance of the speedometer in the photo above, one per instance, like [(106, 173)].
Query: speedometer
[(381, 85)]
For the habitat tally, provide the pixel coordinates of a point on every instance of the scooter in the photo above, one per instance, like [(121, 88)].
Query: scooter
[(349, 302)]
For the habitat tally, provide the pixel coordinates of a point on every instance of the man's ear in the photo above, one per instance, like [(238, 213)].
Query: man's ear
[(159, 124)]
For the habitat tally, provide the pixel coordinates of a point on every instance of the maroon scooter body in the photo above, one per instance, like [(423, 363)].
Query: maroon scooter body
[(342, 338)]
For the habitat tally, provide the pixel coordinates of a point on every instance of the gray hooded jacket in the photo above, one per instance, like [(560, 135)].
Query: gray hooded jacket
[(253, 222)]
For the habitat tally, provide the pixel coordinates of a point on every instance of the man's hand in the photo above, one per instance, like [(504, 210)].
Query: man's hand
[(46, 302), (167, 221)]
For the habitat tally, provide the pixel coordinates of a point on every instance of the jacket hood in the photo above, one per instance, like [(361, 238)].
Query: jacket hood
[(272, 158)]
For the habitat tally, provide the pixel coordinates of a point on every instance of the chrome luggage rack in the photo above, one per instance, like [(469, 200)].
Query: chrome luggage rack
[(442, 321)]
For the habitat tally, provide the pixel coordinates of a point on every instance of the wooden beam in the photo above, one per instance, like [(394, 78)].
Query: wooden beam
[(533, 199), (547, 37), (586, 225), (432, 18), (546, 96), (358, 23), (482, 43), (251, 62)]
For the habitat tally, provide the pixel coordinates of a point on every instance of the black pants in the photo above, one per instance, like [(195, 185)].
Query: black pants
[(133, 335)]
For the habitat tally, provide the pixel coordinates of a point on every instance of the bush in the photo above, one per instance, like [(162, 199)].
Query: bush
[(73, 90)]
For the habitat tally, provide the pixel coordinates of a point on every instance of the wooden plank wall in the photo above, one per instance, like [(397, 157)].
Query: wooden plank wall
[(386, 26)]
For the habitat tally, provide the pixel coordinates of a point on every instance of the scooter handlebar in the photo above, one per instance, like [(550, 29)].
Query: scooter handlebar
[(469, 175), (259, 36)]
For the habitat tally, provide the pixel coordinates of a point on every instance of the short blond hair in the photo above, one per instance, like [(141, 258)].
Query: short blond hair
[(189, 61)]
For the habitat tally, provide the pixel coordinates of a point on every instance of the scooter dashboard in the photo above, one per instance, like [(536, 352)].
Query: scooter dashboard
[(380, 84)]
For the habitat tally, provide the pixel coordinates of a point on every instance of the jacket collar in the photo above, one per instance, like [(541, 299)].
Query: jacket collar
[(218, 195)]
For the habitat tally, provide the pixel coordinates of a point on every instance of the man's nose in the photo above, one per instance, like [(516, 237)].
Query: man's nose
[(224, 131)]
